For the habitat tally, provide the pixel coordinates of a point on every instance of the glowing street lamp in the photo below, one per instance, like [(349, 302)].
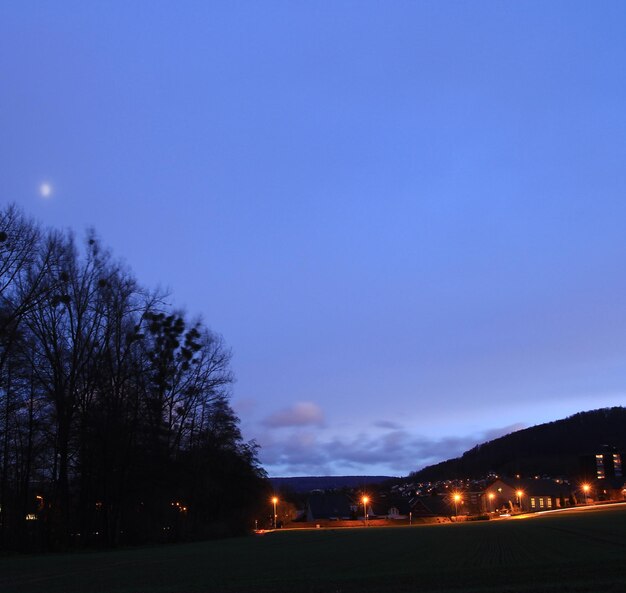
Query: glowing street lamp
[(586, 488), (457, 499), (519, 493), (275, 502), (365, 500), (491, 496)]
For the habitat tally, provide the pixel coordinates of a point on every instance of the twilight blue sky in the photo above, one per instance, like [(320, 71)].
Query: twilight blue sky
[(407, 219)]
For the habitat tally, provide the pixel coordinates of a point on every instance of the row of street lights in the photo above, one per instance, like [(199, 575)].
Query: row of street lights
[(456, 497), (364, 500), (586, 488)]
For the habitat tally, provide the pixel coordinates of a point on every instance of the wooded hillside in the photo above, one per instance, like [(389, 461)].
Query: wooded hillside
[(554, 448)]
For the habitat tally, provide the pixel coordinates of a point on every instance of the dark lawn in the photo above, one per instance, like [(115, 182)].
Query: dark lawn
[(566, 552)]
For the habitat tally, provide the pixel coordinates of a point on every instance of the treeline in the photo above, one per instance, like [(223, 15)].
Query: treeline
[(115, 423), (558, 448)]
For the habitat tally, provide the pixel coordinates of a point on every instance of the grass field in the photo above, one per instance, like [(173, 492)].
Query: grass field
[(581, 551)]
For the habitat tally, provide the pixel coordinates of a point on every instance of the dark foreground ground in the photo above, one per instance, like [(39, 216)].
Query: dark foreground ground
[(582, 551)]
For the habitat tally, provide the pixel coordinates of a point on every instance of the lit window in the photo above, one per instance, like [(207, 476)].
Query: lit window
[(549, 503), (532, 502), (541, 503)]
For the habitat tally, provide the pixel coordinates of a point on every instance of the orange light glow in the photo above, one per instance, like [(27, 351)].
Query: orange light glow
[(586, 487), (491, 496), (365, 499), (274, 499), (457, 497), (519, 493)]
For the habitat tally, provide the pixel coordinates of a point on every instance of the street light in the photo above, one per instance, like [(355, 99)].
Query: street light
[(457, 499), (491, 496), (519, 493), (365, 500), (586, 489), (275, 502)]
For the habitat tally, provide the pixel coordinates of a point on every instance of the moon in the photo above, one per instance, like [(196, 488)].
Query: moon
[(45, 190)]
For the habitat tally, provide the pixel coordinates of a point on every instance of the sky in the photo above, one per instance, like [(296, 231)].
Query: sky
[(405, 218)]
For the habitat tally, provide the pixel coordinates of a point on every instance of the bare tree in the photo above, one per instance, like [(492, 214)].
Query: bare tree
[(114, 410)]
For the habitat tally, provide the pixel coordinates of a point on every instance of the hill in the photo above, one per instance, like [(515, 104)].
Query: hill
[(308, 483), (555, 448)]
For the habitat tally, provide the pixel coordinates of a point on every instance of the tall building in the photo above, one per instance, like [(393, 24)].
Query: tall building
[(608, 465)]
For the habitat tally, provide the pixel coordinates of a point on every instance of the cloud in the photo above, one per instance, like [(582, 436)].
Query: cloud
[(387, 424), (301, 414), (396, 452)]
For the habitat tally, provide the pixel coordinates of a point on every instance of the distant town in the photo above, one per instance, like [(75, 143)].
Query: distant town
[(599, 480)]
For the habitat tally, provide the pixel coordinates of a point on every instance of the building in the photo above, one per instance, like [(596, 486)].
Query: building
[(528, 495), (606, 463), (610, 489), (392, 507), (330, 505), (432, 506)]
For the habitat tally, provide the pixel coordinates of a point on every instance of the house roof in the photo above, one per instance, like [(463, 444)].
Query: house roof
[(383, 505), (329, 505), (431, 506), (536, 487)]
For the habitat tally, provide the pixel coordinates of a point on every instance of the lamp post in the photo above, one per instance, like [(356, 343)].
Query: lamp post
[(491, 496), (275, 502), (519, 498), (457, 499), (586, 489), (365, 500)]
